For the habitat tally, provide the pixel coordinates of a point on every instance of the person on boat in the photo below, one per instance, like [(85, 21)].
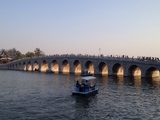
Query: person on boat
[(86, 86), (82, 86), (86, 83), (77, 84), (83, 82)]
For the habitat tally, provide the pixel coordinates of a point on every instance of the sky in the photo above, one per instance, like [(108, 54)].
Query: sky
[(108, 27)]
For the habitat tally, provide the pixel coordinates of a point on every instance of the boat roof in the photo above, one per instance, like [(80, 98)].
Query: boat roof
[(88, 78)]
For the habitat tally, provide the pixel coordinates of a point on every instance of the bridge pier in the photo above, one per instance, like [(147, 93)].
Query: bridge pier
[(110, 72), (125, 73)]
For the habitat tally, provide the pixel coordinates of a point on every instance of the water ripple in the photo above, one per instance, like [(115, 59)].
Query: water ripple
[(30, 95)]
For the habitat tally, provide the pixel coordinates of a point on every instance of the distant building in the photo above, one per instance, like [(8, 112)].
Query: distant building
[(4, 58)]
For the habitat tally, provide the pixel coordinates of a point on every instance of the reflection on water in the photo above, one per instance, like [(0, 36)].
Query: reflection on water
[(132, 81), (154, 82), (137, 81), (33, 95), (104, 80)]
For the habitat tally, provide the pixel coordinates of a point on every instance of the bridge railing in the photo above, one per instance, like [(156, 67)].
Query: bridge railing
[(108, 57)]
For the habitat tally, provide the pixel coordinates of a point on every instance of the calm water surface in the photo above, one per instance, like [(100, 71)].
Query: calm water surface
[(40, 96)]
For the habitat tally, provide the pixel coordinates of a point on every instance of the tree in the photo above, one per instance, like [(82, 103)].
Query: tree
[(38, 52), (19, 55), (29, 54), (15, 54), (2, 50)]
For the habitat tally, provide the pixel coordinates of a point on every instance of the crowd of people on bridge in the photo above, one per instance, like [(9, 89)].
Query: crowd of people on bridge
[(122, 57), (143, 58)]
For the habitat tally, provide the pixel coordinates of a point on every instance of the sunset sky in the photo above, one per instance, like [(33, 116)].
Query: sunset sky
[(117, 27)]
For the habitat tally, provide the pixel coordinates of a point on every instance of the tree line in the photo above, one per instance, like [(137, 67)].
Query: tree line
[(16, 54)]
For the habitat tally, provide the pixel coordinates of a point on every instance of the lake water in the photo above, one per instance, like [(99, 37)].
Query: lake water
[(40, 96)]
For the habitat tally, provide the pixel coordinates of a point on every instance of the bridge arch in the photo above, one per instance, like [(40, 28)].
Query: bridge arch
[(134, 70), (12, 66), (103, 68), (20, 66), (89, 66), (29, 66), (24, 66), (77, 67), (65, 66), (16, 66), (55, 66), (44, 66), (152, 72), (35, 66), (117, 69)]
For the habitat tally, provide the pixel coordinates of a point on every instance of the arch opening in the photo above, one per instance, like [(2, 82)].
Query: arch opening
[(20, 66), (35, 66), (13, 66), (10, 66), (16, 66), (103, 69), (55, 66), (152, 72), (117, 69), (29, 66), (24, 66), (77, 67), (44, 66), (65, 66), (134, 71), (90, 67)]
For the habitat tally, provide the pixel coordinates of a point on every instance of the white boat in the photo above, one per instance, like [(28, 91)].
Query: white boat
[(49, 70), (85, 86)]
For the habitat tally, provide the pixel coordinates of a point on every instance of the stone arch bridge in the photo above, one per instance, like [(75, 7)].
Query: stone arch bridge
[(105, 65)]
